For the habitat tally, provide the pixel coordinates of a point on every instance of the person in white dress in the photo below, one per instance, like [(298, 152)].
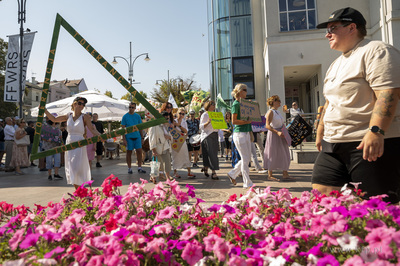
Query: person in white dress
[(181, 159), (77, 168)]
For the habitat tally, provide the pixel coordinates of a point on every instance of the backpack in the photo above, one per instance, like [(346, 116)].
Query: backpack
[(2, 135)]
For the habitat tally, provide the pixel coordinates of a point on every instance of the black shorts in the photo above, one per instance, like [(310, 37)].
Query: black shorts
[(345, 164), (99, 148), (227, 143)]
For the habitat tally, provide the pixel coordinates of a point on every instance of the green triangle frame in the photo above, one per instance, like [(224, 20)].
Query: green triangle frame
[(159, 119)]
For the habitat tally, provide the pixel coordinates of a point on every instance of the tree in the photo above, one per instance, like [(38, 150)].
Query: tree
[(175, 87), (128, 97), (6, 108), (108, 93)]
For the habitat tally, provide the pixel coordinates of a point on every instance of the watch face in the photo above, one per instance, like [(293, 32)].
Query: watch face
[(375, 129)]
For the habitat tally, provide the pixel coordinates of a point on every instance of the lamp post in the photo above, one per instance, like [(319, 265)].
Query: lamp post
[(131, 63), (180, 81), (21, 20)]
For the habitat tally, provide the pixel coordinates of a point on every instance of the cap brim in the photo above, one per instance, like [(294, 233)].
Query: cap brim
[(324, 25)]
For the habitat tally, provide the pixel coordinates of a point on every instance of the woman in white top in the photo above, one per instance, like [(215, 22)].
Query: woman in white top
[(209, 142), (77, 168), (180, 159), (276, 152)]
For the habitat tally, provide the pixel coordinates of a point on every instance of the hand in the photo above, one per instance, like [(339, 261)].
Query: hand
[(280, 134), (168, 137), (318, 144), (372, 144)]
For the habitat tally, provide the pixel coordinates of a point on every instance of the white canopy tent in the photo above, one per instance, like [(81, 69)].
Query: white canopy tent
[(107, 108)]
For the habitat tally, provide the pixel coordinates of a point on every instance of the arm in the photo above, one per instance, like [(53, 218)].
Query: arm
[(320, 128), (61, 118), (88, 123), (269, 117), (382, 116), (19, 134), (237, 121)]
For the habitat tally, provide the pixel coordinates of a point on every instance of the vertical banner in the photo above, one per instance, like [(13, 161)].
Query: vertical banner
[(11, 86)]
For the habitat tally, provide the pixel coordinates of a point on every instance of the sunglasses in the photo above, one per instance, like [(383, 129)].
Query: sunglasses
[(182, 113), (168, 107), (330, 30), (245, 90), (212, 103), (81, 103), (131, 107)]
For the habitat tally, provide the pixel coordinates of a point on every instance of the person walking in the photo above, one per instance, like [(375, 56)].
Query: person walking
[(276, 151), (180, 159), (30, 130), (50, 140), (77, 168), (19, 153), (9, 133), (133, 141), (209, 142), (193, 129), (241, 138), (99, 145), (358, 135), (227, 134)]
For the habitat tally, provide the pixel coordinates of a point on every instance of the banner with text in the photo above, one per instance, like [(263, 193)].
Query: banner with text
[(11, 86), (250, 111), (217, 120)]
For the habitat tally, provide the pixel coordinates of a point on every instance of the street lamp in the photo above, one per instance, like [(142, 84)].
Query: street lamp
[(180, 81), (130, 63), (21, 20)]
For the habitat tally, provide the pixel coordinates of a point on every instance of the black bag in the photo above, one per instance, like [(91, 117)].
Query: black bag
[(2, 135), (298, 130)]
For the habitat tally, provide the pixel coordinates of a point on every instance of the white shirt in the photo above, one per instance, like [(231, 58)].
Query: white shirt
[(205, 130), (9, 132)]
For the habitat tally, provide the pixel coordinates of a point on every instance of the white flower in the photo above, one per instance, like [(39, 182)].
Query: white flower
[(344, 187), (14, 263), (257, 222), (186, 207), (348, 242), (312, 259), (278, 261)]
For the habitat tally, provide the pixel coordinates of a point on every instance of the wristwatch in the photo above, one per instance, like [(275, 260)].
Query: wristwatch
[(376, 129)]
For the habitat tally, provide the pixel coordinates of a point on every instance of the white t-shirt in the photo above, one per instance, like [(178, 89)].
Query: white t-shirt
[(349, 87)]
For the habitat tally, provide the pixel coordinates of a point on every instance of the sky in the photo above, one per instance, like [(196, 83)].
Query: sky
[(172, 32)]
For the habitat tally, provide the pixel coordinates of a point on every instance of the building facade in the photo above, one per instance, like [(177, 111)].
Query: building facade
[(289, 55)]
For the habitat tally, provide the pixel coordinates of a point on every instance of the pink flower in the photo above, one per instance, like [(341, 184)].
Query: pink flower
[(379, 240), (163, 229), (334, 222), (192, 253), (221, 249), (29, 241), (166, 213), (101, 242), (354, 261), (96, 260), (55, 211), (16, 239), (155, 245), (188, 233), (210, 241), (57, 250), (237, 261)]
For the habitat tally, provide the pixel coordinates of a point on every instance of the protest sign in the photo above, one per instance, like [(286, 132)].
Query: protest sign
[(259, 126), (217, 120), (249, 111), (298, 130), (178, 138)]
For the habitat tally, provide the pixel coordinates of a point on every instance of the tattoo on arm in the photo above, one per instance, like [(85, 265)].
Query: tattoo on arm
[(383, 104)]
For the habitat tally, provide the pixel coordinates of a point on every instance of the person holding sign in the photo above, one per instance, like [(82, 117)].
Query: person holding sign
[(276, 152), (241, 138), (77, 168), (209, 142)]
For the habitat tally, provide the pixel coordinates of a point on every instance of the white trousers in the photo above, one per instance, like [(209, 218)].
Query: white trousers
[(243, 145)]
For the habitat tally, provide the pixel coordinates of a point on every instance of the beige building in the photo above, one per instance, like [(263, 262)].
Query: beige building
[(274, 47)]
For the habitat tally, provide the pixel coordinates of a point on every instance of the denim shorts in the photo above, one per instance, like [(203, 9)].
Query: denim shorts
[(57, 161), (343, 163)]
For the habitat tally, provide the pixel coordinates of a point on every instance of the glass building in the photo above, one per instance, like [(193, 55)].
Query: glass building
[(230, 46)]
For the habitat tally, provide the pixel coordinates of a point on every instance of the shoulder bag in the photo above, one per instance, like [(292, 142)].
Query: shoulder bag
[(24, 141)]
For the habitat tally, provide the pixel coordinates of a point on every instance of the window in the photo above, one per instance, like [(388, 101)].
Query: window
[(243, 66), (297, 15), (241, 36), (223, 78), (240, 7), (37, 97), (222, 40)]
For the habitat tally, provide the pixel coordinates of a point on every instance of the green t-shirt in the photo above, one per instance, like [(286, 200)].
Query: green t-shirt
[(236, 110)]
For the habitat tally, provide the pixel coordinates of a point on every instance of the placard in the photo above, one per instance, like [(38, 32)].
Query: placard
[(178, 138), (298, 130), (217, 120), (250, 111), (259, 126)]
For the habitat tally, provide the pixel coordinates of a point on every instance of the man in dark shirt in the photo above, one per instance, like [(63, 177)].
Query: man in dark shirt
[(30, 130), (99, 145)]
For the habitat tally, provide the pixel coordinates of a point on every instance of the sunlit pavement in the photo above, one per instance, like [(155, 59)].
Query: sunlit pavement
[(34, 187)]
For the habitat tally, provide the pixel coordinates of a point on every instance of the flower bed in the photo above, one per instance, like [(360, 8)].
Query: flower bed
[(101, 227)]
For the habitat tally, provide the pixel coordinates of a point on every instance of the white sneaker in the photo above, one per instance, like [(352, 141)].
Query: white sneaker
[(262, 171)]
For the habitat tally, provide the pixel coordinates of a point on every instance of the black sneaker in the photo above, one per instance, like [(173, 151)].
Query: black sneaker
[(58, 177), (50, 177), (43, 169), (98, 165), (141, 171), (195, 165)]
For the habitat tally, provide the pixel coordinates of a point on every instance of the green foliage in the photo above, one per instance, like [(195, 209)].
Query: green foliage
[(174, 87), (129, 95), (108, 93), (6, 108)]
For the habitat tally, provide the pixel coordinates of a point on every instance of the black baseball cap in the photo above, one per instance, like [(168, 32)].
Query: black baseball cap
[(347, 14)]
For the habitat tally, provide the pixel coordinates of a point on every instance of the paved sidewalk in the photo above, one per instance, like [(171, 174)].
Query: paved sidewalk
[(34, 188)]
